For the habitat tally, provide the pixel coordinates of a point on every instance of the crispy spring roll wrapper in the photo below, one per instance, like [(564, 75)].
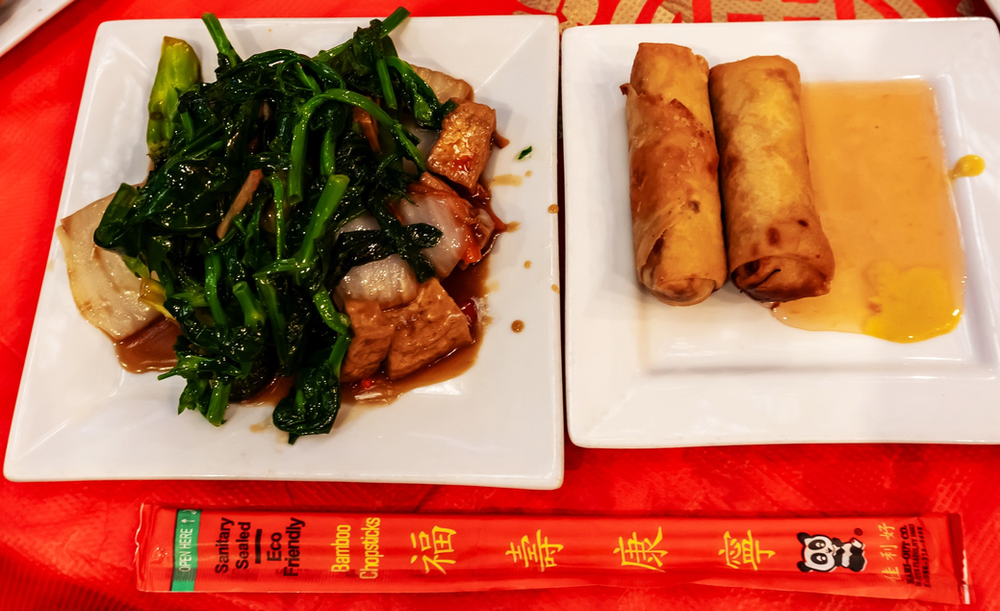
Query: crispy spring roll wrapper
[(676, 213), (777, 248)]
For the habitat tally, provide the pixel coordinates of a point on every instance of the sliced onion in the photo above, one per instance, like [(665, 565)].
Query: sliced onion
[(445, 86), (104, 289), (453, 216), (390, 281)]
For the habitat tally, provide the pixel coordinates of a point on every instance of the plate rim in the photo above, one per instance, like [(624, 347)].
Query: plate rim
[(592, 436), (547, 477)]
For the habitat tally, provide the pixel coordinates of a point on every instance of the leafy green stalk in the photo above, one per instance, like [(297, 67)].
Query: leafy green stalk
[(114, 223), (427, 110), (307, 80), (218, 403), (386, 82), (333, 192), (278, 188), (328, 153), (213, 270), (269, 297), (299, 138), (254, 315), (227, 54), (305, 258), (392, 21), (329, 54), (338, 321), (312, 407)]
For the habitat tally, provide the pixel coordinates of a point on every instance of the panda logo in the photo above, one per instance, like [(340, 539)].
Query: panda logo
[(824, 554)]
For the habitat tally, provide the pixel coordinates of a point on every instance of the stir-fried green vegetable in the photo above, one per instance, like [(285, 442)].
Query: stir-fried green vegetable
[(251, 289)]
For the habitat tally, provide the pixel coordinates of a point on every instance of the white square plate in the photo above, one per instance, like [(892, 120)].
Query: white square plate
[(18, 18), (642, 374), (80, 416)]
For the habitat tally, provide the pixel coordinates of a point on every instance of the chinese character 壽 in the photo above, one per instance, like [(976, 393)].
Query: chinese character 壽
[(438, 542), (540, 551), (642, 553), (742, 551)]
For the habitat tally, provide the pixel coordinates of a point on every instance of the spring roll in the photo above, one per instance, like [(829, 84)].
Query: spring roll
[(676, 213), (777, 249)]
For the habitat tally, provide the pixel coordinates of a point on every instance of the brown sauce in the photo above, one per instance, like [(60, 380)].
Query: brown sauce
[(517, 326), (151, 348), (498, 141), (482, 197), (510, 180), (554, 209)]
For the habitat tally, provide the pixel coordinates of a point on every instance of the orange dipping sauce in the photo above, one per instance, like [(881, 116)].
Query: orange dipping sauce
[(883, 194)]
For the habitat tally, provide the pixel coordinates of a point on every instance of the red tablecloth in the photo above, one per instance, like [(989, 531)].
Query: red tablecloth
[(71, 545)]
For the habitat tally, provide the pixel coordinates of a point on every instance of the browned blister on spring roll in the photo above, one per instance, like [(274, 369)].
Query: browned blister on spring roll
[(676, 213), (777, 248)]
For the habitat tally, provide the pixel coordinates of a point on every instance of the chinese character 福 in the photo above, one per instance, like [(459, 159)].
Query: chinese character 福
[(438, 542)]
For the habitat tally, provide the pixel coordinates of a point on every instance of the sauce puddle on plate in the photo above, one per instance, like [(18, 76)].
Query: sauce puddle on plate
[(884, 197)]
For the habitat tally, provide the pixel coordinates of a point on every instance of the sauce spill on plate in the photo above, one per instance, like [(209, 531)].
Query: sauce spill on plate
[(884, 197), (967, 167)]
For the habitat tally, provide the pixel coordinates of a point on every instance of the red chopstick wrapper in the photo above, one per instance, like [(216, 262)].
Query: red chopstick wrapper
[(232, 550)]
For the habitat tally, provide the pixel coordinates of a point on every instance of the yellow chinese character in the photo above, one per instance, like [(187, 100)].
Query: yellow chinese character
[(887, 554), (539, 551), (742, 551), (642, 553), (886, 531), (731, 551), (891, 573), (437, 543)]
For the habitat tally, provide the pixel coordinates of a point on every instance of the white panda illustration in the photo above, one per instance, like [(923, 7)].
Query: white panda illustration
[(824, 554)]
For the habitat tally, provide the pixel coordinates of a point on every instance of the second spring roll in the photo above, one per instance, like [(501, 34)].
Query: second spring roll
[(777, 248), (676, 212)]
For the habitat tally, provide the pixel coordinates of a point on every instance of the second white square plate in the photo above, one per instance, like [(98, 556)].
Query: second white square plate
[(80, 416), (642, 374)]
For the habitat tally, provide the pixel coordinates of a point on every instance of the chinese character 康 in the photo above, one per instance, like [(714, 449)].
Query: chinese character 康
[(642, 553)]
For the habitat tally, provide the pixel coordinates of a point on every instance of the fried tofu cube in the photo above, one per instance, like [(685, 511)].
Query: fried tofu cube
[(373, 333), (463, 148), (433, 182), (428, 328)]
